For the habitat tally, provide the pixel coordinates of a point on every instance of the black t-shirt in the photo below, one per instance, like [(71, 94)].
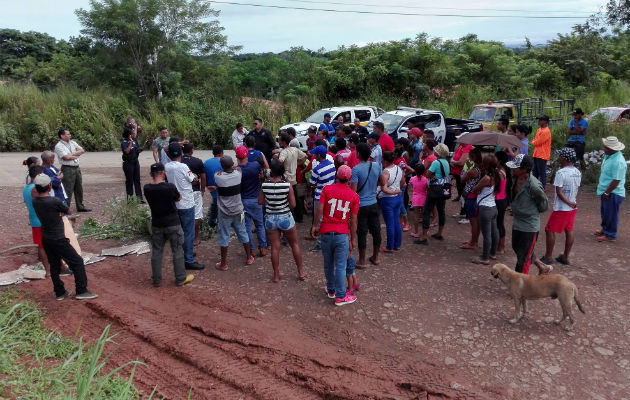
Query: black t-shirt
[(161, 198), (48, 211), (195, 166), (264, 142)]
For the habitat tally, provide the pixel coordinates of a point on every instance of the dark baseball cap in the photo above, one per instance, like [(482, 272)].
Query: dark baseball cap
[(354, 138), (374, 136), (174, 149), (578, 111), (543, 118)]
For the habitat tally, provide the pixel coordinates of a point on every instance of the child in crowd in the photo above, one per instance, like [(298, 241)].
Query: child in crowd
[(352, 284), (418, 185)]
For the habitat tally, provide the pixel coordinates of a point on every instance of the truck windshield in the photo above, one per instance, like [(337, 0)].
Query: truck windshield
[(391, 121), (318, 116), (482, 114)]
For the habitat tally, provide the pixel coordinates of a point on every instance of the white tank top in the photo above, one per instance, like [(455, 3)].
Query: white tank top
[(486, 197), (393, 183)]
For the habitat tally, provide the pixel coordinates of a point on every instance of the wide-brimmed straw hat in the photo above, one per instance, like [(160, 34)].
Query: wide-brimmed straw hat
[(613, 143)]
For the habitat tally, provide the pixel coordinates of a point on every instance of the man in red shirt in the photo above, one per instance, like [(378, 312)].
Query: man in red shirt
[(338, 207), (353, 160), (386, 142)]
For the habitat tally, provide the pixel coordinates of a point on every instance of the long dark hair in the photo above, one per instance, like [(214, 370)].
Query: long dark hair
[(489, 165)]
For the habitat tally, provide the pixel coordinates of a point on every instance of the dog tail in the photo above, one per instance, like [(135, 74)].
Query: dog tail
[(575, 297)]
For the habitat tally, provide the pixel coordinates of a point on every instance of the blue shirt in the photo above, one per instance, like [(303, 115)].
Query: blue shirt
[(327, 127), (525, 148), (417, 149), (250, 179), (377, 154), (28, 200), (323, 174), (255, 155), (437, 171), (613, 169), (367, 195), (212, 166), (582, 123), (52, 172)]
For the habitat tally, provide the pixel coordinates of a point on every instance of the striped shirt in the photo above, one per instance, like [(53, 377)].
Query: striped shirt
[(323, 174), (276, 197)]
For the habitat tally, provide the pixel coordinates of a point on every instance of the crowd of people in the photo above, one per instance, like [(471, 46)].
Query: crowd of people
[(347, 179)]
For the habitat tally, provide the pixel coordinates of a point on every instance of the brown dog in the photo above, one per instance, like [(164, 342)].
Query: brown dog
[(523, 287)]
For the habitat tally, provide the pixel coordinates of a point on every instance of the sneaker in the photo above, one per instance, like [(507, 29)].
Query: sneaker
[(331, 295), (86, 296), (317, 247), (221, 267), (463, 221), (189, 278), (66, 272), (63, 296), (346, 300), (458, 215), (250, 260), (194, 266)]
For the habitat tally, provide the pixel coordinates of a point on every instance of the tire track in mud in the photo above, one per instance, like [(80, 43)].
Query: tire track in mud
[(245, 355)]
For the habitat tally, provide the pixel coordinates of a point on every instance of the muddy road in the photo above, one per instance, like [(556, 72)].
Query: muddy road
[(428, 324)]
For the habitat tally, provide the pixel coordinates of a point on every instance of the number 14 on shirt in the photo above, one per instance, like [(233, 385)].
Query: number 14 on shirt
[(339, 205)]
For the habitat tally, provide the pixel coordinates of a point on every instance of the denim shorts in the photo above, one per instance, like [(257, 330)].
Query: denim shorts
[(284, 222), (471, 208)]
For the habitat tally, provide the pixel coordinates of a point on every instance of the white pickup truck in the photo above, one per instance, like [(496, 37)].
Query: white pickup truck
[(365, 114)]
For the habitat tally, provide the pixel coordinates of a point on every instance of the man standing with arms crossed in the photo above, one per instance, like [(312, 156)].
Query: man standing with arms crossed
[(577, 135), (338, 207), (68, 152)]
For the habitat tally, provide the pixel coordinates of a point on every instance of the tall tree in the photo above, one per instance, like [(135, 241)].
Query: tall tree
[(147, 35)]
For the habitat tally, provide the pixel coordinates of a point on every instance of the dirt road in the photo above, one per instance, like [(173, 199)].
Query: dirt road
[(428, 324)]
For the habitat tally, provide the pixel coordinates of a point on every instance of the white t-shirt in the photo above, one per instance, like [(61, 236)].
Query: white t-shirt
[(568, 178), (65, 148), (180, 175)]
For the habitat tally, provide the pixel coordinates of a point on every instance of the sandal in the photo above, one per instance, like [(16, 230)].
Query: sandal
[(438, 237), (605, 239), (480, 261), (414, 235), (384, 250), (598, 232), (406, 228), (467, 246), (562, 260)]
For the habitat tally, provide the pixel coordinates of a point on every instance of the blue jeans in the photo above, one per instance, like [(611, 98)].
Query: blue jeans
[(610, 214), (335, 251), (254, 212), (390, 207), (231, 221), (213, 215), (403, 205), (187, 219)]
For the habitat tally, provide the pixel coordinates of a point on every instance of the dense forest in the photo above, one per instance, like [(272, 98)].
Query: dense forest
[(165, 64)]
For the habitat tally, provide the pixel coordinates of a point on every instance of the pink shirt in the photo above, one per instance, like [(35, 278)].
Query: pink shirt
[(420, 187)]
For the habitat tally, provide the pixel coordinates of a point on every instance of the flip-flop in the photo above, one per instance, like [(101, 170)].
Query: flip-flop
[(384, 250), (598, 232), (605, 239), (373, 262), (303, 277), (467, 246), (493, 257), (414, 235), (479, 261), (438, 237)]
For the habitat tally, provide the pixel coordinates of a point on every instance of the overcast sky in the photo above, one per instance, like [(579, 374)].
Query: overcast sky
[(259, 29)]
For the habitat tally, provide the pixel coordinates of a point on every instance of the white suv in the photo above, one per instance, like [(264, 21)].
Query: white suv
[(366, 114)]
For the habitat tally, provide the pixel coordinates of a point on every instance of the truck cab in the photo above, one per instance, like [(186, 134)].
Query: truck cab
[(489, 114)]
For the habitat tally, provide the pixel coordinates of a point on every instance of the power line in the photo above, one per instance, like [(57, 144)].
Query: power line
[(394, 12), (586, 14)]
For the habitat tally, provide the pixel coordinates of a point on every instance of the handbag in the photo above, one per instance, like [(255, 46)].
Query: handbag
[(440, 188)]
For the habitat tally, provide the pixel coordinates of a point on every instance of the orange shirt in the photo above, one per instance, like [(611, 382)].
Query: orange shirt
[(542, 143)]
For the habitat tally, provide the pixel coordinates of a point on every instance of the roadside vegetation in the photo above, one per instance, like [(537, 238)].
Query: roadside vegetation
[(126, 217), (36, 363), (134, 58)]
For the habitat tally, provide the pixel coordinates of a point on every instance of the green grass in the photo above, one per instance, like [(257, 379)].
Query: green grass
[(39, 364), (127, 218)]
